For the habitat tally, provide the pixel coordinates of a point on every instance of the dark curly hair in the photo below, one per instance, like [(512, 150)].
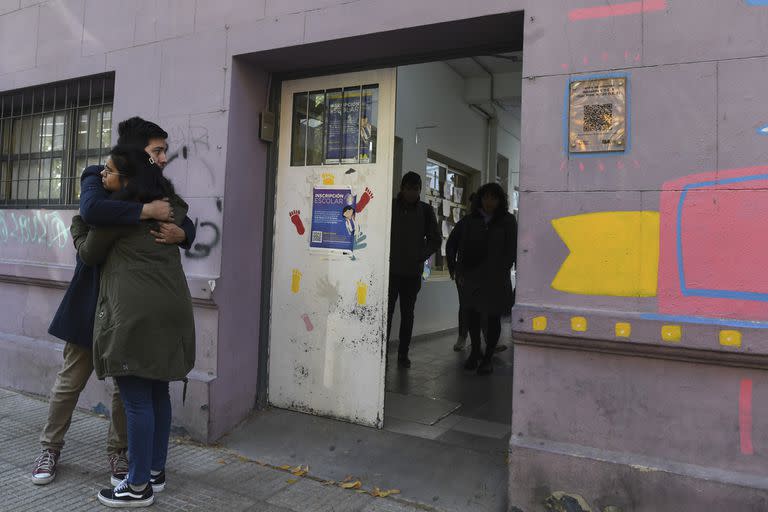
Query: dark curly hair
[(493, 189), (138, 132), (142, 181)]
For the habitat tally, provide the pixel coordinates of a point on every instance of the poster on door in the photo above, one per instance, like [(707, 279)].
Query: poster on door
[(343, 127), (333, 219)]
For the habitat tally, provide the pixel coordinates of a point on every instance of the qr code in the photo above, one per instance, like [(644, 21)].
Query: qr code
[(598, 118), (317, 237)]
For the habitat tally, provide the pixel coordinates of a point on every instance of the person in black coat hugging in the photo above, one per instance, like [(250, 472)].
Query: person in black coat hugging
[(487, 249)]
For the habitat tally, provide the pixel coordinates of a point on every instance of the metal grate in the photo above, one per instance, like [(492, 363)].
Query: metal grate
[(48, 135)]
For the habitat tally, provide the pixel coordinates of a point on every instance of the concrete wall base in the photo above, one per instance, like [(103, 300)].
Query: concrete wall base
[(30, 365), (625, 481)]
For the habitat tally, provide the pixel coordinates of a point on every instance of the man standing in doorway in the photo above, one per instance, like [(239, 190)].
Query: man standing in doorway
[(74, 319), (415, 237)]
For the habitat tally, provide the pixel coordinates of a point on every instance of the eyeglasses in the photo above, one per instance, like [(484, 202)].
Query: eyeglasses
[(114, 172)]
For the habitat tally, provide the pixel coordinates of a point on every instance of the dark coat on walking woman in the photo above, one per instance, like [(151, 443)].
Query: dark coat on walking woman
[(486, 254)]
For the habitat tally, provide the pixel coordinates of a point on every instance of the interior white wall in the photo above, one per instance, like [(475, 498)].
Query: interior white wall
[(509, 145)]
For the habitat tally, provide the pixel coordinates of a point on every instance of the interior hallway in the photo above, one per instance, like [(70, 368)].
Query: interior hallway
[(437, 399)]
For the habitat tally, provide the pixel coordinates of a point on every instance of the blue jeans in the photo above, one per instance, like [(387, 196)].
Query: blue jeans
[(148, 409)]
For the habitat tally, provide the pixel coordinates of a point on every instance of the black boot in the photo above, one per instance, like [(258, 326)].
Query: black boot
[(472, 361), (486, 367)]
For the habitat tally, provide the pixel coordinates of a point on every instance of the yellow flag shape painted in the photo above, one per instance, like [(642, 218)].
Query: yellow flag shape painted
[(612, 253)]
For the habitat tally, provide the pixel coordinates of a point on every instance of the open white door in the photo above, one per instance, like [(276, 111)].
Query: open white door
[(331, 246)]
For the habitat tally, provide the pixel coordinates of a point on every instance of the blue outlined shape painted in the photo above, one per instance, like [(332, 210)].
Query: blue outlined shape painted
[(705, 292), (763, 130), (566, 115), (746, 324), (757, 2)]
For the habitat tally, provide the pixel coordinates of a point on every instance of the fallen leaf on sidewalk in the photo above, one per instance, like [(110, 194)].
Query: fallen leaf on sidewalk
[(292, 481), (221, 461), (378, 493), (285, 467), (352, 485), (300, 470)]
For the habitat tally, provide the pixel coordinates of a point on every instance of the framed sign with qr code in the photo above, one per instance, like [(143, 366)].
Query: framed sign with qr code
[(597, 117)]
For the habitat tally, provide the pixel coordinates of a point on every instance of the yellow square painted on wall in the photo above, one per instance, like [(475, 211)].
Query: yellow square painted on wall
[(671, 333), (540, 323), (579, 324), (623, 329), (730, 338)]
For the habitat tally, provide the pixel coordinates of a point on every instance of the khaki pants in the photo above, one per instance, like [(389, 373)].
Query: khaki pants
[(74, 375)]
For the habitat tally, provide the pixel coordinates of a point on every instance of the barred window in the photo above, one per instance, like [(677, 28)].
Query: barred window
[(48, 135)]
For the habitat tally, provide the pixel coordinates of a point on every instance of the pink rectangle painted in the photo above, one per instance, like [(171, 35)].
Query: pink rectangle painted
[(718, 234), (724, 238), (623, 9)]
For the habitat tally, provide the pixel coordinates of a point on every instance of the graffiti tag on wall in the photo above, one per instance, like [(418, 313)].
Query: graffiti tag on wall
[(192, 142), (36, 227)]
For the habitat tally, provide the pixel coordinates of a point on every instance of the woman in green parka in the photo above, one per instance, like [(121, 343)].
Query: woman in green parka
[(144, 331)]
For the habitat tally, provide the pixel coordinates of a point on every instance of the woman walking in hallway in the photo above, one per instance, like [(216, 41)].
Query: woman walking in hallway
[(486, 242)]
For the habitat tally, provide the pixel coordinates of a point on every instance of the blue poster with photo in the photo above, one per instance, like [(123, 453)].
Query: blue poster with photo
[(333, 219)]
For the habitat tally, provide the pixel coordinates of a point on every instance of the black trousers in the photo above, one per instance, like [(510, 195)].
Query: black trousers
[(463, 316), (406, 288), (492, 333)]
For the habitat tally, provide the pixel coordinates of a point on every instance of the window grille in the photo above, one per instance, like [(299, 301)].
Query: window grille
[(48, 135)]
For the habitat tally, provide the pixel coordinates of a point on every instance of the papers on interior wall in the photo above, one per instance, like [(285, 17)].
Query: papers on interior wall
[(448, 190), (442, 247), (446, 208), (446, 229), (456, 214), (458, 194)]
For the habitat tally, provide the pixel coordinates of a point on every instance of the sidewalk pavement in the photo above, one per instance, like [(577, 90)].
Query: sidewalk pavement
[(200, 478)]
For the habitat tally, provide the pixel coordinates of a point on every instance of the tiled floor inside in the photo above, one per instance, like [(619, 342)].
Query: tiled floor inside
[(437, 399)]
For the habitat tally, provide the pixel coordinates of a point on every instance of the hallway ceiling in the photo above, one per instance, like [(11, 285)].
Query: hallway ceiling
[(472, 67)]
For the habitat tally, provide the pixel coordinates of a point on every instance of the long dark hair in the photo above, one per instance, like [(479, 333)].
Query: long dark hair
[(142, 181), (493, 189)]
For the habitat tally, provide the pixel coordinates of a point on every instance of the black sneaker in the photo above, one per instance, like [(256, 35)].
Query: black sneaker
[(118, 466), (45, 467), (158, 482), (123, 496)]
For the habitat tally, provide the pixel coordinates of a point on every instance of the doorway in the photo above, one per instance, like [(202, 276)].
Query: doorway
[(345, 141), (458, 126)]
